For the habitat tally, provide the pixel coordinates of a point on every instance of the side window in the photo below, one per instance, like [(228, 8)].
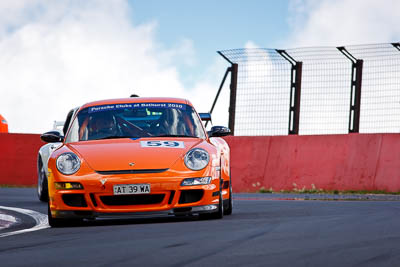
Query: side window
[(73, 134), (198, 127), (68, 121)]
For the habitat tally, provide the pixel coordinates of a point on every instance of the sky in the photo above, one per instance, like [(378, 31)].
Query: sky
[(56, 55)]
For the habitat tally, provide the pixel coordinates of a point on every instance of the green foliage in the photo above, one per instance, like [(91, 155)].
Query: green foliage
[(314, 190)]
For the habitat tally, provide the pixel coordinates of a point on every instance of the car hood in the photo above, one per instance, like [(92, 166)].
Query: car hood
[(117, 154)]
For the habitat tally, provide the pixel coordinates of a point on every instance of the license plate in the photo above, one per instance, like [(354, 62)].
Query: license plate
[(131, 189)]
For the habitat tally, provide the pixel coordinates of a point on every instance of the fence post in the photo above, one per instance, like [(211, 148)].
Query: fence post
[(295, 92), (233, 88), (232, 100), (229, 69), (355, 91)]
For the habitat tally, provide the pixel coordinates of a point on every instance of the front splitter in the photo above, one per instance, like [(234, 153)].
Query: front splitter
[(186, 211)]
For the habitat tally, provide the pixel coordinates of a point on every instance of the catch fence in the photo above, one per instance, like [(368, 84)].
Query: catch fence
[(316, 90)]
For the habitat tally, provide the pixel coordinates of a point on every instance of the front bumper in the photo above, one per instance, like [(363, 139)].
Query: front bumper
[(188, 211), (167, 198)]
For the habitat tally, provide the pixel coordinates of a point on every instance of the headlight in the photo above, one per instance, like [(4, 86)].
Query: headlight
[(197, 159), (68, 163), (196, 181)]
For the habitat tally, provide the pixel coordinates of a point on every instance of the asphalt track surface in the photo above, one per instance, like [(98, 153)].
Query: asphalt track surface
[(263, 230)]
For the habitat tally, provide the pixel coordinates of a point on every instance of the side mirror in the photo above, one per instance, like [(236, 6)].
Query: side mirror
[(205, 116), (218, 131), (52, 137)]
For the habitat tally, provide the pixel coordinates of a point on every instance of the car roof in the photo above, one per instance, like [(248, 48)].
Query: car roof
[(137, 100)]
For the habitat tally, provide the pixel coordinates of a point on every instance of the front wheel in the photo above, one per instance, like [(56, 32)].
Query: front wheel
[(228, 210), (58, 222), (53, 222), (219, 214)]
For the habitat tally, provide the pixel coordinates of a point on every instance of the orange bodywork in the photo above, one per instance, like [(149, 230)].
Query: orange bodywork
[(110, 162), (3, 125)]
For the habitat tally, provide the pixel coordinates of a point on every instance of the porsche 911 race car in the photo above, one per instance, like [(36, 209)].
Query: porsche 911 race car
[(138, 157)]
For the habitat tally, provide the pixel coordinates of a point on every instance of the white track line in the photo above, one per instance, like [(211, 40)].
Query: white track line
[(40, 219), (6, 221)]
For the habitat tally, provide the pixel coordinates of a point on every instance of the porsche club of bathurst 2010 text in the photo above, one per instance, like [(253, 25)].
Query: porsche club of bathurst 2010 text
[(135, 156)]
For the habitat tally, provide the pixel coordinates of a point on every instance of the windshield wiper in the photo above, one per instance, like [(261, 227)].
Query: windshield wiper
[(115, 137), (174, 135)]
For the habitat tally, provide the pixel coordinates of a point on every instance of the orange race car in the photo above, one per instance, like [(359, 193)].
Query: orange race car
[(137, 157)]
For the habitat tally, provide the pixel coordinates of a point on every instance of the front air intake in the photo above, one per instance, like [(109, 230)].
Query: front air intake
[(139, 171), (127, 200), (74, 200), (190, 196)]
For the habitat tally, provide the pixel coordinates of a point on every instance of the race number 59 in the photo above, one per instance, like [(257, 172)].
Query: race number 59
[(157, 143)]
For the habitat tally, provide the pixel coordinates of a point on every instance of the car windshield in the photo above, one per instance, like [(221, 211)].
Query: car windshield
[(135, 120)]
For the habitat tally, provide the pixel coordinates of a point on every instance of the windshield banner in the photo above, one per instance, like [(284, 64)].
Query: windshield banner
[(136, 105)]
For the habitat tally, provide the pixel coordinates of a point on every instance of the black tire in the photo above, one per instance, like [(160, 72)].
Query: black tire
[(220, 213), (228, 209), (57, 222), (42, 187), (54, 222)]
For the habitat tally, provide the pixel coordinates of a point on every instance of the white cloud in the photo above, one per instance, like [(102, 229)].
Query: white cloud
[(343, 22), (55, 55), (250, 45), (204, 92), (325, 86)]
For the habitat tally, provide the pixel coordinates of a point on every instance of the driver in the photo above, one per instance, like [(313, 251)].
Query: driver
[(102, 125)]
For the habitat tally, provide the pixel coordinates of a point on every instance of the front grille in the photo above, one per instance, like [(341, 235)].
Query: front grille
[(74, 200), (190, 196), (126, 200), (132, 171)]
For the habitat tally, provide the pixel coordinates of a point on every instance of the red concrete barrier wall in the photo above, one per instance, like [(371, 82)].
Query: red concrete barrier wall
[(18, 155), (330, 162)]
